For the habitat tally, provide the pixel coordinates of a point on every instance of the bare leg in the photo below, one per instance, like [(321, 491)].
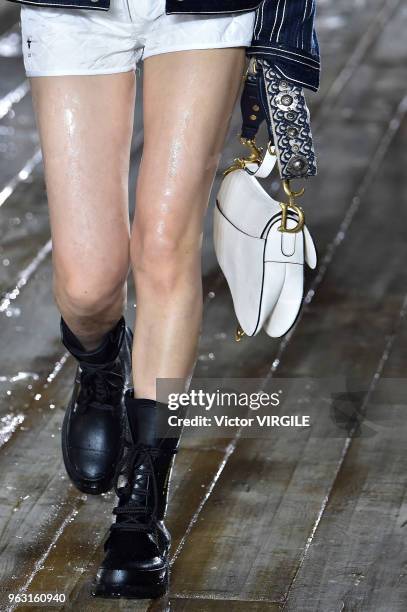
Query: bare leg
[(185, 126), (85, 124)]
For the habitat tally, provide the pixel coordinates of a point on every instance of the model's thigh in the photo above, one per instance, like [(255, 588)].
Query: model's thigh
[(85, 125), (189, 97)]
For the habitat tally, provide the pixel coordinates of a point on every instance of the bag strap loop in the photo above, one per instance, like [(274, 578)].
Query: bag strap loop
[(266, 167)]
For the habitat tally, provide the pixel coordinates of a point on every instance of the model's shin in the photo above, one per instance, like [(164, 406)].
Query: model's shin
[(168, 313)]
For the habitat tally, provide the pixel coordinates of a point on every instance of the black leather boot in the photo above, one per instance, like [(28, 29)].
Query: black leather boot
[(93, 427), (136, 561)]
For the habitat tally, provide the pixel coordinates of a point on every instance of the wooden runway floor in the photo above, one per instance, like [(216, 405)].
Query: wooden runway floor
[(299, 520)]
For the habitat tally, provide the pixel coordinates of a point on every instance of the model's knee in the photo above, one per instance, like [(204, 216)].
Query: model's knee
[(85, 295), (164, 262)]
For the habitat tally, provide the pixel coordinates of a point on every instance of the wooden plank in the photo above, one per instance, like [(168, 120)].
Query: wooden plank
[(357, 555), (216, 605), (36, 500)]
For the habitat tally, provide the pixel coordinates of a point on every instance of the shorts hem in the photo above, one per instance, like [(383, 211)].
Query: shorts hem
[(195, 47), (39, 73)]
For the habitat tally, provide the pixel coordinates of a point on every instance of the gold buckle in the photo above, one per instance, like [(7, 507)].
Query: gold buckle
[(251, 68), (285, 206)]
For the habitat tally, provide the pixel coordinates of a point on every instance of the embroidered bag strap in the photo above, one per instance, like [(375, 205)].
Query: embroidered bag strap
[(269, 96)]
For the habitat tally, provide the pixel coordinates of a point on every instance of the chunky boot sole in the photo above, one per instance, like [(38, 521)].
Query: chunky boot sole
[(148, 584)]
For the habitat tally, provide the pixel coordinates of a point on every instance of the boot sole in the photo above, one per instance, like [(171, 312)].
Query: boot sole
[(147, 589)]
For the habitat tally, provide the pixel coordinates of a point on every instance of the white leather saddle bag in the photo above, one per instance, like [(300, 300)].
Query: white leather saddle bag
[(263, 265)]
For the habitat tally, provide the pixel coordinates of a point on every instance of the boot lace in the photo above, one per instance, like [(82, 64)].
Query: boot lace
[(136, 514), (98, 385)]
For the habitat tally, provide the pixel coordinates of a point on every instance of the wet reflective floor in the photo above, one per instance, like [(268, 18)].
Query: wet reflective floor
[(302, 520)]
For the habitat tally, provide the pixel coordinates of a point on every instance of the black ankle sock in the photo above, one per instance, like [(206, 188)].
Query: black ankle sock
[(69, 338), (107, 350)]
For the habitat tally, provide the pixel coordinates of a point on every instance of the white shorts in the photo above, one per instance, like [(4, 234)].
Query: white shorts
[(59, 41)]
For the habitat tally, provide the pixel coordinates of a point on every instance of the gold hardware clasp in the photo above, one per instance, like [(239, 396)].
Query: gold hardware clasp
[(251, 68), (252, 65), (255, 156), (256, 153), (239, 333), (291, 204)]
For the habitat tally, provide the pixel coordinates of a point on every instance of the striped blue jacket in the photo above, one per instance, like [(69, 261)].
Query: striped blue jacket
[(284, 33)]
